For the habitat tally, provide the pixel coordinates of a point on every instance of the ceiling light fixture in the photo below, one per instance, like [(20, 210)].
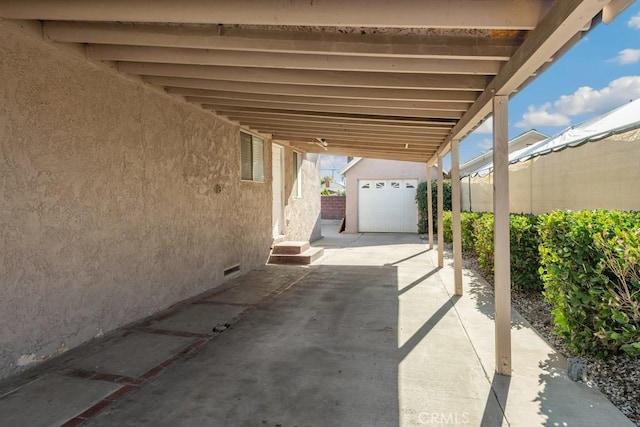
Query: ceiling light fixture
[(322, 143)]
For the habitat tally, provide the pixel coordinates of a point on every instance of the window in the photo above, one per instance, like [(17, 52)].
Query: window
[(379, 184), (297, 174), (251, 158)]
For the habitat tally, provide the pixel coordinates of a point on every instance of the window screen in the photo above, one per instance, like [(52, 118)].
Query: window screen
[(251, 157)]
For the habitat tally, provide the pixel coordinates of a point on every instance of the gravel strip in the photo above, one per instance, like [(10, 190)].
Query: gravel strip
[(618, 378)]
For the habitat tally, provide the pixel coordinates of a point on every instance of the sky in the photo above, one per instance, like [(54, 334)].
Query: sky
[(600, 73)]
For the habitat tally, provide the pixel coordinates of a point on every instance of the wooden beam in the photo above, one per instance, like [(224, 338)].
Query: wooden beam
[(317, 100), (565, 19), (613, 9), (333, 137), (308, 77), (515, 14), (231, 38), (255, 112), (408, 137), (387, 147), (429, 207), (291, 61), (223, 104), (369, 124), (455, 218), (357, 153), (502, 273), (440, 206), (321, 125), (313, 91)]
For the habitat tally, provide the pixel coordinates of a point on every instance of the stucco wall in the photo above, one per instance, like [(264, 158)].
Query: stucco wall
[(596, 175), (108, 202), (302, 214), (377, 169)]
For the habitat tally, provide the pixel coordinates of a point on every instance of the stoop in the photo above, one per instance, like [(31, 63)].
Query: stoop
[(300, 253)]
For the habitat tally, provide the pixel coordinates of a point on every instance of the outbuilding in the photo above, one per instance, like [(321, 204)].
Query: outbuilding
[(381, 195)]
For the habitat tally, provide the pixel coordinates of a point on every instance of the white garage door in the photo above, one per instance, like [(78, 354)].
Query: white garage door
[(387, 205)]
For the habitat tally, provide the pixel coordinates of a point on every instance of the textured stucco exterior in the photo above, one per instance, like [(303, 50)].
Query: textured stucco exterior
[(597, 175), (302, 214), (115, 201), (377, 169)]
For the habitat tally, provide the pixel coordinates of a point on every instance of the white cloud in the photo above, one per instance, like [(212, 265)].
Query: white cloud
[(634, 22), (588, 100), (585, 100), (541, 116), (486, 144), (628, 56), (485, 127)]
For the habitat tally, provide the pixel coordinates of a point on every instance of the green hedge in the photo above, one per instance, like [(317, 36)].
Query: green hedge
[(421, 200), (467, 220), (483, 246), (447, 229), (468, 235), (590, 265), (477, 237)]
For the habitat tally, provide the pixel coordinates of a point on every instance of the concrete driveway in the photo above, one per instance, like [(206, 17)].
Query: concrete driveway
[(369, 336)]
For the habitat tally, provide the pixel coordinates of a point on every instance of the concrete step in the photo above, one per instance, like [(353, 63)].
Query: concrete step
[(290, 248), (306, 257)]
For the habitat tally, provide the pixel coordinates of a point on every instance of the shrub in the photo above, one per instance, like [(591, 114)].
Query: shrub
[(447, 226), (466, 224), (590, 269), (421, 200), (467, 220), (524, 255), (483, 229)]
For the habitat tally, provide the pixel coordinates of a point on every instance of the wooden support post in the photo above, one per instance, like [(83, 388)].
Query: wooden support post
[(455, 217), (502, 275), (440, 208), (429, 207)]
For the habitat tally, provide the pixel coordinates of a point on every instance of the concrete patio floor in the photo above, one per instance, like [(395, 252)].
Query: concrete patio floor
[(371, 335)]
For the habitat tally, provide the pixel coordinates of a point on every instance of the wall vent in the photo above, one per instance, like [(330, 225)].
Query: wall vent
[(232, 269)]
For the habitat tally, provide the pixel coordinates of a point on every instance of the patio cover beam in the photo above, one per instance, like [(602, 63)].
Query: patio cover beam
[(291, 61), (357, 118), (359, 153), (309, 77), (213, 104), (515, 14), (339, 121), (345, 134), (315, 91), (387, 146), (318, 100), (378, 45), (267, 125)]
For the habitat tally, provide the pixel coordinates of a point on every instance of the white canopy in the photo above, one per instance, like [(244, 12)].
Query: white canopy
[(620, 120)]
